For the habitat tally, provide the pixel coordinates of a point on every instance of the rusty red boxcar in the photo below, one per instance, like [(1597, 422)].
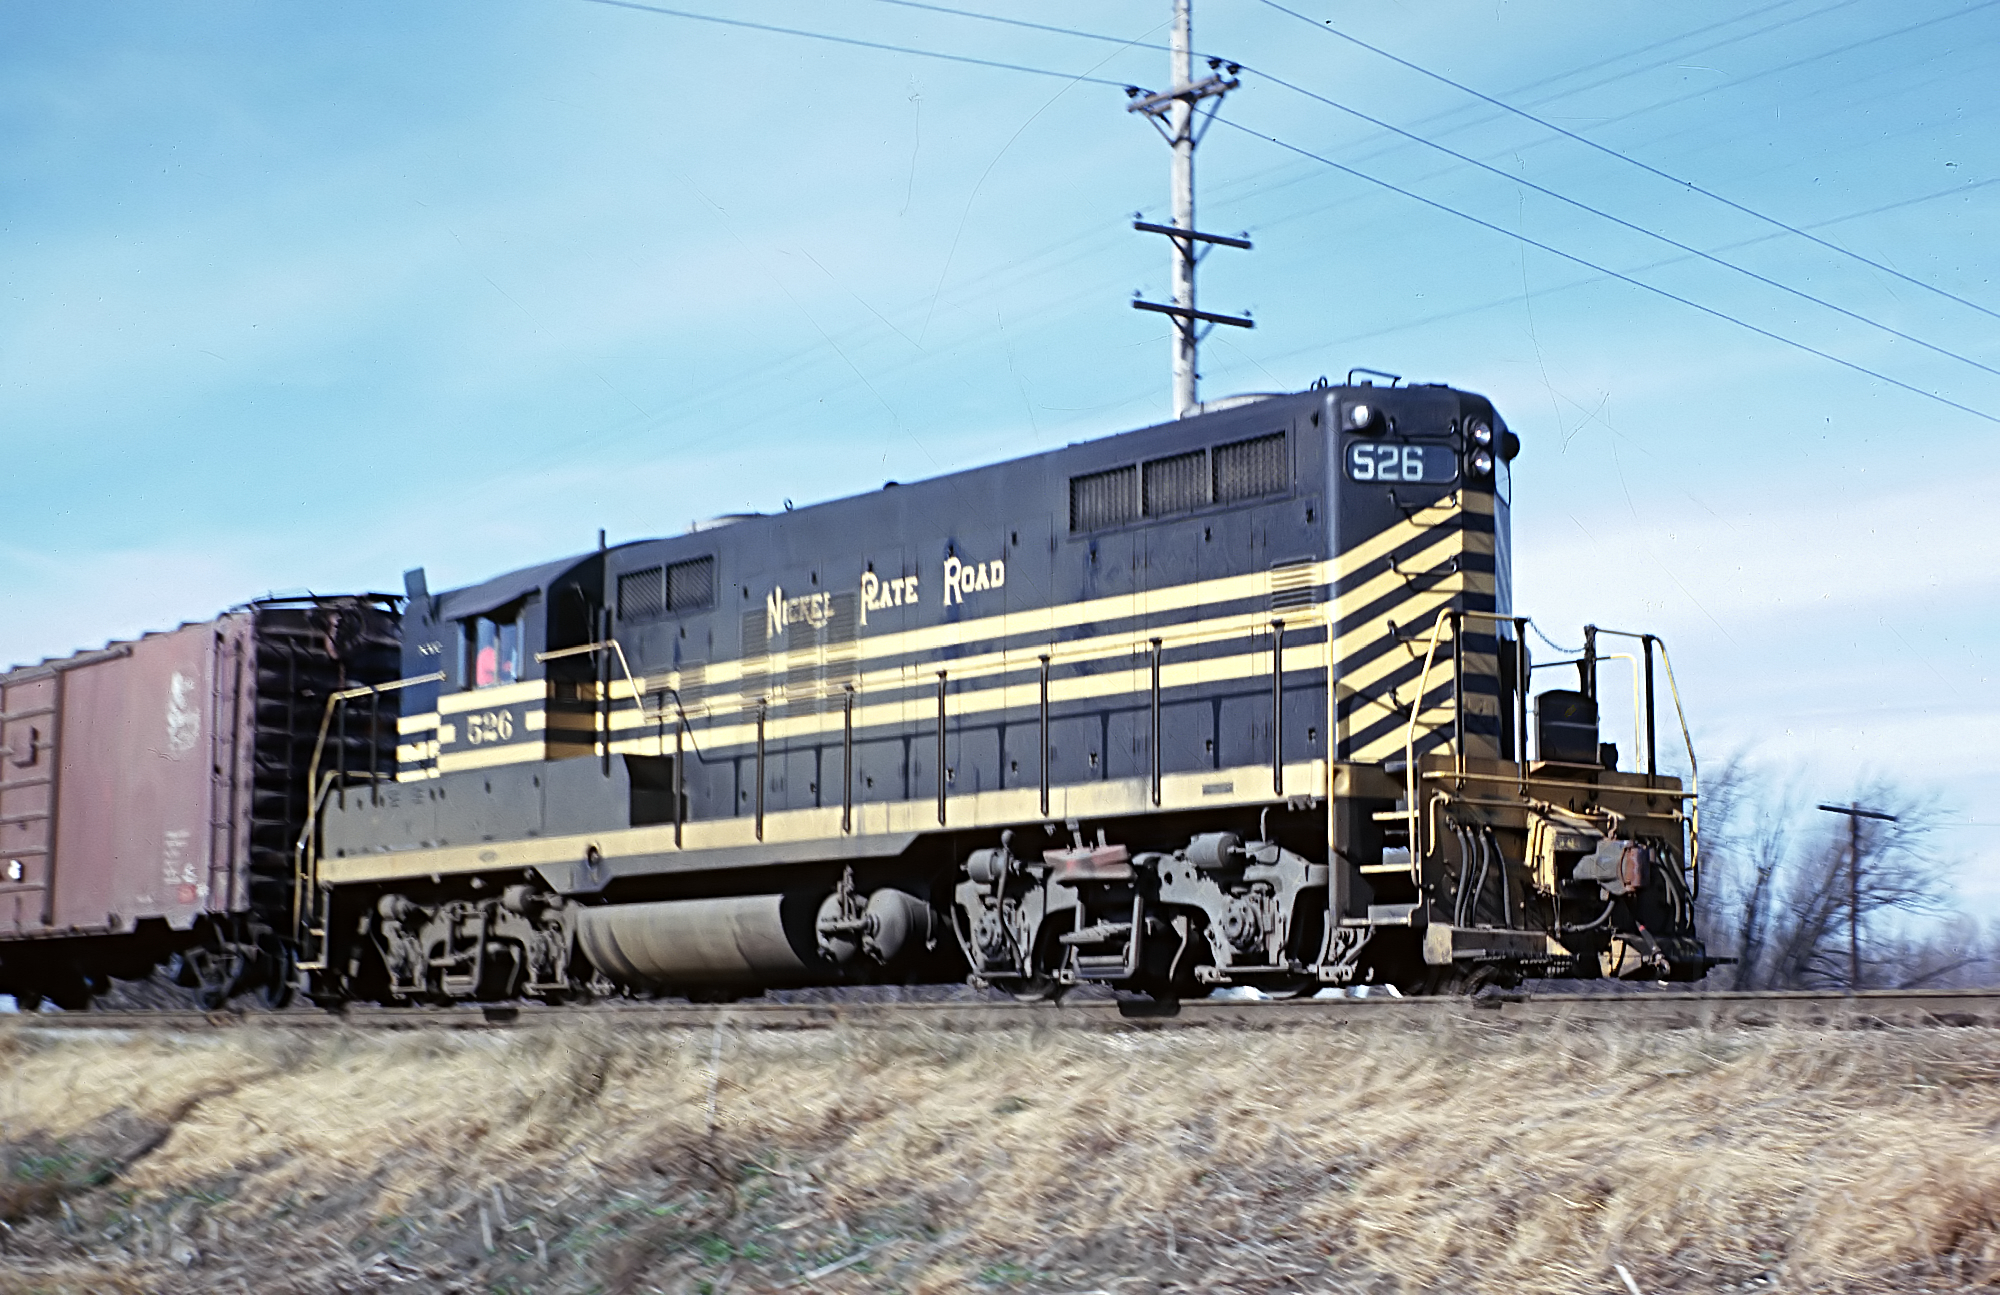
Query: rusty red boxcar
[(151, 794)]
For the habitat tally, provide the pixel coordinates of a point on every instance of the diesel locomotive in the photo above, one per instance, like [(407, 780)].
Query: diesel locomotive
[(1236, 700)]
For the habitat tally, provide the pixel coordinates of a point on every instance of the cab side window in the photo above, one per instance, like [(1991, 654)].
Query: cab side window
[(492, 647)]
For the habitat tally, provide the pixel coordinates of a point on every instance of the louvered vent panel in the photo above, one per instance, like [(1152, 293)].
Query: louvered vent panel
[(1176, 485), (691, 585), (641, 595), (1293, 587), (1248, 469), (1103, 499)]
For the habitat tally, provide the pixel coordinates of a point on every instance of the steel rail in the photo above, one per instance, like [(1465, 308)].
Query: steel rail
[(1668, 1009)]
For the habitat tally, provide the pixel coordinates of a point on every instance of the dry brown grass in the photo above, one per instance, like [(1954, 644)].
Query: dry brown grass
[(1377, 1156)]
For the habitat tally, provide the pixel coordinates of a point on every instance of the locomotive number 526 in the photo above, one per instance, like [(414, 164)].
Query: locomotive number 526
[(1369, 461), (489, 726)]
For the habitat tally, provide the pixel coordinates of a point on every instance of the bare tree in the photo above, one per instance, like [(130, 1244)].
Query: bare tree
[(1779, 899), (1959, 953)]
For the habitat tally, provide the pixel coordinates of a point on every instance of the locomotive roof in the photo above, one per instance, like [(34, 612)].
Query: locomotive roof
[(501, 590), (511, 587)]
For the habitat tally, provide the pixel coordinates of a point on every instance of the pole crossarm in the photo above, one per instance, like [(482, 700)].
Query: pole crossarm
[(1204, 316), (1159, 103), (1858, 812), (1191, 235)]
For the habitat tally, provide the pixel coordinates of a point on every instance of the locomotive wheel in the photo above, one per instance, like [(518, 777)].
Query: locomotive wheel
[(1291, 987), (1460, 982), (1042, 988)]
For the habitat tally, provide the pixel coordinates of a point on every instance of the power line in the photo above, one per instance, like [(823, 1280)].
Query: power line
[(1031, 26), (1631, 225), (1848, 48), (1361, 175), (1683, 54), (1644, 166), (853, 41), (1586, 280), (1606, 270), (955, 12), (1471, 161)]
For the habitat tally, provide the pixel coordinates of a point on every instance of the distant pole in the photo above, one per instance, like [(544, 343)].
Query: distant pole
[(1855, 814), (1180, 122), (1172, 111)]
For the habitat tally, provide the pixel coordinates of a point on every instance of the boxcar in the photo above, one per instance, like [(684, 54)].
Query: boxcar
[(152, 794)]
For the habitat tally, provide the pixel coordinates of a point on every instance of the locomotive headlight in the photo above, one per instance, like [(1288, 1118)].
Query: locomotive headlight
[(1482, 463), (1360, 416), (1480, 432)]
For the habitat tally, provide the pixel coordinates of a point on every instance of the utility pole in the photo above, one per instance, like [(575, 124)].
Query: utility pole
[(1855, 814), (1173, 113)]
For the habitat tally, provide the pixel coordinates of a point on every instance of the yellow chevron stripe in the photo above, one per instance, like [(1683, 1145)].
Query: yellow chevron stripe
[(1350, 597)]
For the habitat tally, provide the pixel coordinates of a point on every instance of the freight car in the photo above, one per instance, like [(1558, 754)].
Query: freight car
[(152, 793), (1237, 700)]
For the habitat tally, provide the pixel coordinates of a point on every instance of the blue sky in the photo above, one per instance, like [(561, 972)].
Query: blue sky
[(297, 297)]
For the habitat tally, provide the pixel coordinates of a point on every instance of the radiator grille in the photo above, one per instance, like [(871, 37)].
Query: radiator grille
[(1176, 485), (1248, 469), (1103, 499)]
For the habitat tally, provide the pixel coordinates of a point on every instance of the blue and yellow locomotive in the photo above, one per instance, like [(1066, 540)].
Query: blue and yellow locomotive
[(1236, 700)]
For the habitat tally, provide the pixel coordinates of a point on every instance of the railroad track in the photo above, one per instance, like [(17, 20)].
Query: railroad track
[(1663, 1009)]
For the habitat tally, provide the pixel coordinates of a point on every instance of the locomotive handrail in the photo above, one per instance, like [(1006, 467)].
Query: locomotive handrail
[(313, 800), (1687, 740), (299, 886), (1418, 847)]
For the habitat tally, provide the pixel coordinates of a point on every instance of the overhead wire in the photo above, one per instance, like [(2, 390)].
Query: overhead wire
[(956, 12), (854, 41), (1024, 23), (1513, 299), (1800, 62), (1377, 122), (1365, 176), (1602, 214), (1647, 167), (1607, 270), (1570, 91)]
